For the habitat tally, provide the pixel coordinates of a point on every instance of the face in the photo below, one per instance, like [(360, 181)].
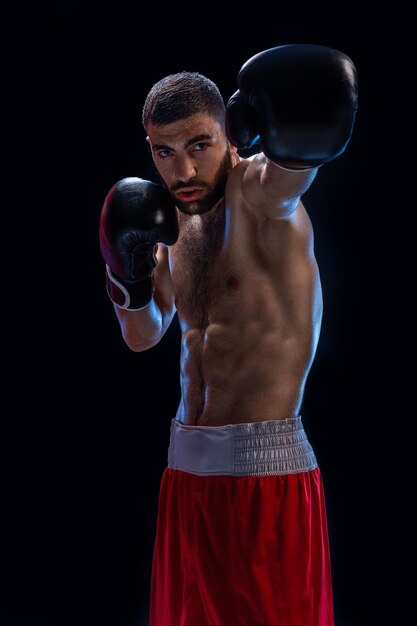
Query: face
[(193, 158)]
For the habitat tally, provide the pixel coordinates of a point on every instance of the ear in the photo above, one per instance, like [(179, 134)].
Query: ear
[(150, 145), (233, 153)]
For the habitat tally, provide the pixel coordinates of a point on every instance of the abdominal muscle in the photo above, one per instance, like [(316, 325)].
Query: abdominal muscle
[(228, 380), (247, 365)]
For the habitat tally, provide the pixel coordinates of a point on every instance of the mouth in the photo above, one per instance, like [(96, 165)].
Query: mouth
[(190, 194)]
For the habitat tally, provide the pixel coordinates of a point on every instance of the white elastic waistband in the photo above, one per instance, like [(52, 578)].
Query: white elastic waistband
[(254, 449)]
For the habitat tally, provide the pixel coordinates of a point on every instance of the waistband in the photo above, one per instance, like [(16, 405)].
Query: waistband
[(250, 449)]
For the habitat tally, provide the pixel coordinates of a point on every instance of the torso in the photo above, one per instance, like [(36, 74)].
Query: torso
[(250, 318)]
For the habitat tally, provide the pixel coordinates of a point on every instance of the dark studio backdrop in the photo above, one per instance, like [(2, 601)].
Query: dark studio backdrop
[(85, 442)]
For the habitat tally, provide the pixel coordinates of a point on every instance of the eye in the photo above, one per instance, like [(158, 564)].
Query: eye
[(198, 147), (164, 154)]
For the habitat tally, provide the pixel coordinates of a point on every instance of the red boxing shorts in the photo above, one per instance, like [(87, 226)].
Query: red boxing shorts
[(241, 536)]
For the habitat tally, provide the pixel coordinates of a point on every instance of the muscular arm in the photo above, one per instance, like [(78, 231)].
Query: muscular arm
[(273, 191), (143, 329)]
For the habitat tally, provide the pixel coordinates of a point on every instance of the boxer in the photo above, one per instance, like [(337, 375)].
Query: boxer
[(226, 243)]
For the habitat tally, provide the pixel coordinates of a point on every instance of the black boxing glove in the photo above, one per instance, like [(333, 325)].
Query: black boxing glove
[(298, 101), (135, 216)]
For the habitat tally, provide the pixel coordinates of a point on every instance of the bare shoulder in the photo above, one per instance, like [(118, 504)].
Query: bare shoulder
[(235, 194), (236, 175)]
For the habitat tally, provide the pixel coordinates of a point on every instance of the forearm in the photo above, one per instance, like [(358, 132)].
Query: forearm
[(141, 329), (275, 190)]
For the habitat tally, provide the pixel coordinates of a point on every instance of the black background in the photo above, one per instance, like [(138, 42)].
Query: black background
[(86, 421)]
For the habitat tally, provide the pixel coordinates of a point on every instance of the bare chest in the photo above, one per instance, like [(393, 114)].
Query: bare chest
[(205, 270)]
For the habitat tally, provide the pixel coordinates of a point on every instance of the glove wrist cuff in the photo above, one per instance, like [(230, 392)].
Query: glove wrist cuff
[(132, 296), (295, 169)]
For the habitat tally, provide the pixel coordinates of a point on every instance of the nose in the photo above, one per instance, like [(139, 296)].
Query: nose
[(185, 169)]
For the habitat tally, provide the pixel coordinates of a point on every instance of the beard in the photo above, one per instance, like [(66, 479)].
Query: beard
[(213, 194)]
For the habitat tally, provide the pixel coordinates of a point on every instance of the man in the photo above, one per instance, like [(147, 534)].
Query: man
[(227, 244)]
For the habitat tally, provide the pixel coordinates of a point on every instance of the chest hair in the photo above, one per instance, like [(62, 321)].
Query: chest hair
[(198, 272)]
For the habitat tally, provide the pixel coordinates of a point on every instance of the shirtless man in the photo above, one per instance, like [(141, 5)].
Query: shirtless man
[(226, 242)]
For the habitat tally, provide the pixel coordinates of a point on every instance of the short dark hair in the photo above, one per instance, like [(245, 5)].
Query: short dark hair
[(178, 96)]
